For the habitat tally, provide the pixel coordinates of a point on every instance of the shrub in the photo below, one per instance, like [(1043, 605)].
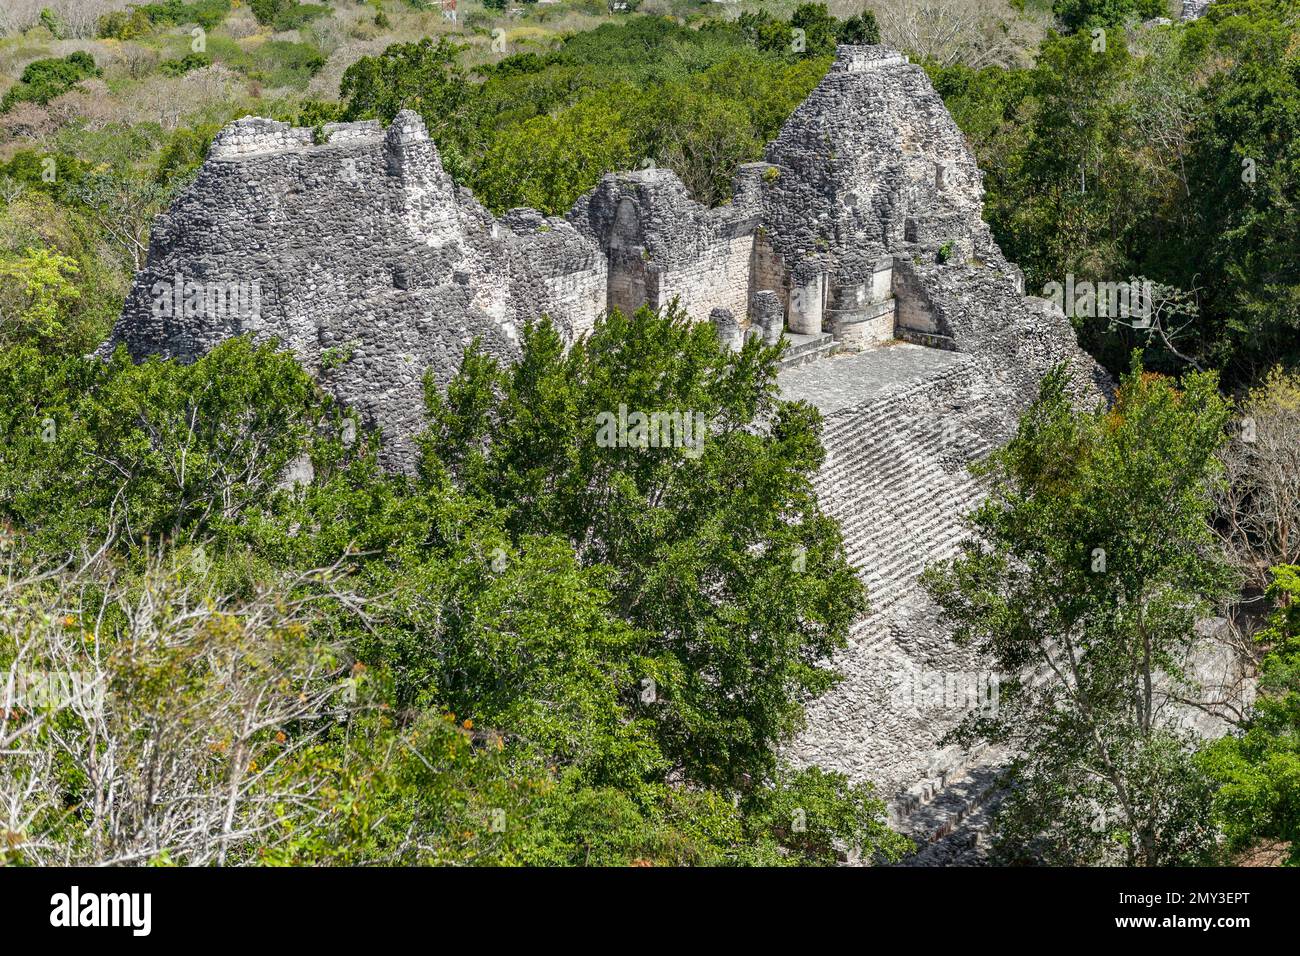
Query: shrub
[(295, 15), (51, 22), (191, 61), (124, 24), (286, 14), (43, 80), (206, 13), (859, 29), (281, 63)]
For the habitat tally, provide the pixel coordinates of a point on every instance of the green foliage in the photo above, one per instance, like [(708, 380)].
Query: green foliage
[(283, 15), (191, 61), (41, 287), (283, 63), (1075, 171), (552, 630), (105, 449), (1244, 173), (1088, 14), (1093, 558), (1258, 772), (295, 15), (315, 113), (811, 31), (42, 80), (50, 20), (36, 230), (812, 814), (51, 174), (183, 153), (1129, 158), (206, 13), (818, 26), (732, 638), (549, 161), (422, 76), (266, 11), (541, 130), (129, 24), (859, 29)]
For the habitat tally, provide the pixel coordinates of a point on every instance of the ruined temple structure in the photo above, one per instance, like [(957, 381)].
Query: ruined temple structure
[(860, 238)]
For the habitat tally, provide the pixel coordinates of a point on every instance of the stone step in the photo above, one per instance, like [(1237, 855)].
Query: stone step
[(801, 349)]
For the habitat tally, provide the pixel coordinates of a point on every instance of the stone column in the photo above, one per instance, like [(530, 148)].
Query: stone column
[(728, 329), (767, 319), (806, 305)]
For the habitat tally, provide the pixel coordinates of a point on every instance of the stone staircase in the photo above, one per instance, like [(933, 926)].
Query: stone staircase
[(802, 349), (952, 827), (896, 478)]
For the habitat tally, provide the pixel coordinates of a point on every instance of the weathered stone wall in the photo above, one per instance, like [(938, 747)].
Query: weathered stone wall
[(366, 260), (662, 245)]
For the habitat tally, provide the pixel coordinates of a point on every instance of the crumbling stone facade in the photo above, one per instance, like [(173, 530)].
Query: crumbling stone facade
[(860, 238)]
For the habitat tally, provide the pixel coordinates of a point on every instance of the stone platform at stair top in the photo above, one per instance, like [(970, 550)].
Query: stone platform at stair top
[(847, 379)]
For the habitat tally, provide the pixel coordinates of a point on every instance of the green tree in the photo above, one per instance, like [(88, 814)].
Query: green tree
[(1087, 14), (818, 26), (740, 596), (549, 161), (35, 289), (861, 28), (43, 80), (99, 450), (422, 76), (1071, 208), (1244, 172), (1088, 567), (266, 11), (766, 32)]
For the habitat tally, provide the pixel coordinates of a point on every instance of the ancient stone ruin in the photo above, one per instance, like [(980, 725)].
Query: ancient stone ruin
[(860, 238), (862, 227)]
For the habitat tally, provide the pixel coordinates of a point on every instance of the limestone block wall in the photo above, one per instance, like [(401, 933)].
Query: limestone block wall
[(554, 270), (864, 314), (720, 277), (252, 134), (661, 245), (913, 310)]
